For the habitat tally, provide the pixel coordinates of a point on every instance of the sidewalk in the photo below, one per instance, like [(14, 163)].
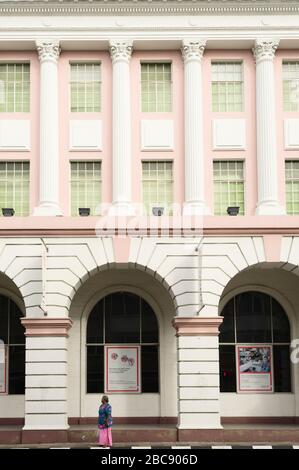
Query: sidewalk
[(154, 435)]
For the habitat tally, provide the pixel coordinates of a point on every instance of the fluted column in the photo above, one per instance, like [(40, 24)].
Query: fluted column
[(192, 51), (268, 202), (48, 52), (121, 51)]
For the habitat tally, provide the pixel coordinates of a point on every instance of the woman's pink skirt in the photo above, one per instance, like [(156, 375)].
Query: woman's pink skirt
[(105, 437)]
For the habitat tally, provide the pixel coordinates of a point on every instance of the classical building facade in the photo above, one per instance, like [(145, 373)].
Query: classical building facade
[(156, 120)]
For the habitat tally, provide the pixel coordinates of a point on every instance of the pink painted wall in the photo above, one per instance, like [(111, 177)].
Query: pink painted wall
[(283, 154), (248, 156), (31, 156), (65, 115), (177, 115)]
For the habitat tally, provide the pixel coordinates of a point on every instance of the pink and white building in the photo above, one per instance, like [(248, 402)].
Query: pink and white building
[(122, 108)]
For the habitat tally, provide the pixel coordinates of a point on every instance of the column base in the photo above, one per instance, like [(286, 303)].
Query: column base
[(47, 210), (122, 209), (270, 208), (196, 208)]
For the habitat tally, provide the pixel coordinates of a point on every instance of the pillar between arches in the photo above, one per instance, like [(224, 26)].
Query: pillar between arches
[(198, 373), (46, 373)]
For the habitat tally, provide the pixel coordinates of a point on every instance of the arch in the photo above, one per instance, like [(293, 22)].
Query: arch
[(16, 299), (122, 266), (159, 299), (97, 297), (171, 262), (10, 289), (119, 302), (278, 296), (13, 339), (223, 259), (236, 338)]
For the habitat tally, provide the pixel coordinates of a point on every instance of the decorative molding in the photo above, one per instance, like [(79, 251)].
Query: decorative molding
[(291, 133), (146, 7), (197, 326), (253, 230), (121, 50), (85, 134), (157, 134), (264, 49), (48, 50), (47, 327), (15, 134), (229, 134), (193, 49)]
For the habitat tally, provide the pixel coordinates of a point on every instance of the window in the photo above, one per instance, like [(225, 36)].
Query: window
[(227, 86), (122, 318), (290, 84), (12, 334), (85, 186), (228, 186), (254, 318), (157, 182), (156, 88), (14, 88), (14, 187), (85, 87), (292, 186)]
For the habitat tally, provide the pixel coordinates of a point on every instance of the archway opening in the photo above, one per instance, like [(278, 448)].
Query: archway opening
[(254, 345), (121, 319), (112, 295), (12, 348), (260, 306)]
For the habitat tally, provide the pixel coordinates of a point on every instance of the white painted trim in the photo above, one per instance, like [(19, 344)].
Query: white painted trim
[(83, 129), (278, 296), (219, 7), (229, 134), (157, 135), (291, 127)]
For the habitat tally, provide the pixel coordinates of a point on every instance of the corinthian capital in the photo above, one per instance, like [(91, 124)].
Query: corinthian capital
[(121, 50), (193, 49), (48, 50), (265, 49)]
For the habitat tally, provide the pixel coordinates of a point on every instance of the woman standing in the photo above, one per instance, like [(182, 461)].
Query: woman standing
[(105, 423)]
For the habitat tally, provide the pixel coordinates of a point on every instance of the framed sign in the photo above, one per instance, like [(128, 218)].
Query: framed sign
[(3, 368), (122, 369), (255, 368)]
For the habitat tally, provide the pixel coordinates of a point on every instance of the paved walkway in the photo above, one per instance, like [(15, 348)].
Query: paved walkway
[(154, 436), (154, 446)]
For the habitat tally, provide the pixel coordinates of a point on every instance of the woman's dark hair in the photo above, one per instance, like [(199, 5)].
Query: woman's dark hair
[(105, 398)]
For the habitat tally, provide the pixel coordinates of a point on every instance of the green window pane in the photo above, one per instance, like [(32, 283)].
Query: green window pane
[(14, 187), (14, 88), (157, 186), (156, 87), (85, 186), (228, 186), (85, 87)]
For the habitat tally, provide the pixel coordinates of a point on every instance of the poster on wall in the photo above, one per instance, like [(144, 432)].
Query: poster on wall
[(122, 369), (254, 364), (2, 368)]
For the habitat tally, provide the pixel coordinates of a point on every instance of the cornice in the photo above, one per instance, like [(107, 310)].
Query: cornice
[(146, 7)]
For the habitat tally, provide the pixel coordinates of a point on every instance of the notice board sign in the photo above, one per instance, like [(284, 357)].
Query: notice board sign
[(255, 368), (122, 369)]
